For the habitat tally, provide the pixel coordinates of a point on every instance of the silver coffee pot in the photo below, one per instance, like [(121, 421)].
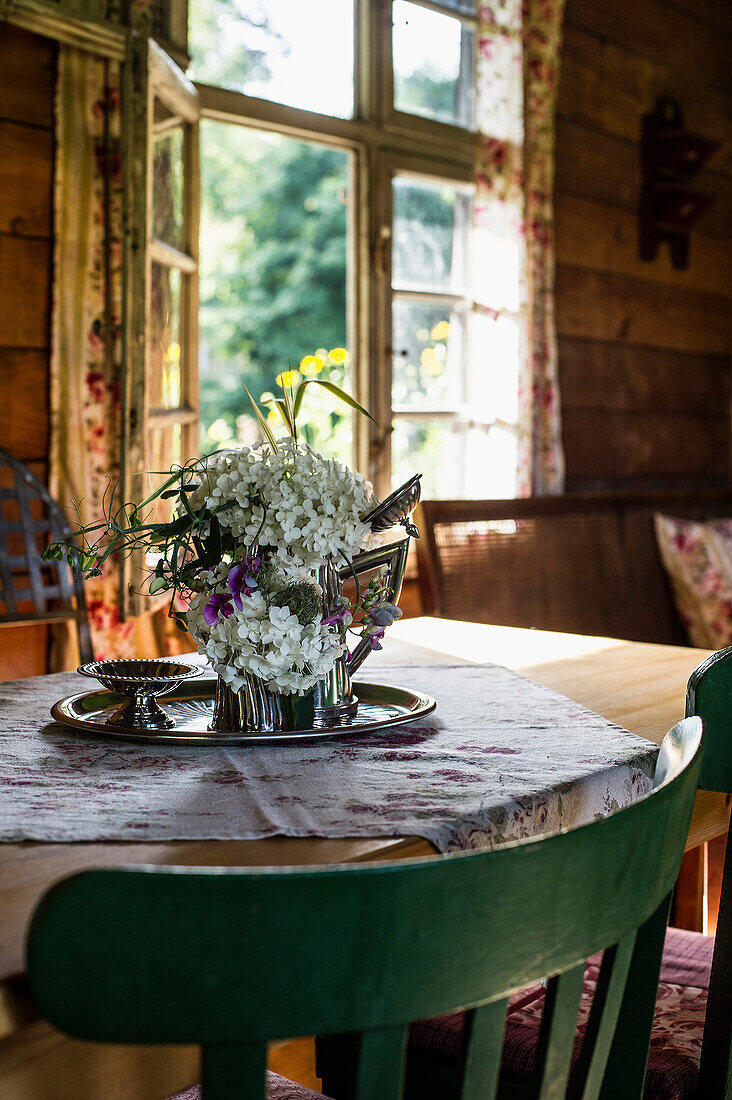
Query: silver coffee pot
[(334, 698)]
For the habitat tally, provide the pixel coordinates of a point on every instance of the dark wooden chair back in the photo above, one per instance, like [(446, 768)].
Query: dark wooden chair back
[(580, 563), (709, 694), (230, 959), (31, 590)]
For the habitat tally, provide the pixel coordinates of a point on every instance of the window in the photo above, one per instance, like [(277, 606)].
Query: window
[(161, 390), (341, 231), (275, 250)]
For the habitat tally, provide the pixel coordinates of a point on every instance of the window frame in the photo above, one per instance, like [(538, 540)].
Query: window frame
[(152, 74), (382, 141)]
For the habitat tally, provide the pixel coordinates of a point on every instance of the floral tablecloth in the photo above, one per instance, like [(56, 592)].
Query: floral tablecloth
[(501, 758)]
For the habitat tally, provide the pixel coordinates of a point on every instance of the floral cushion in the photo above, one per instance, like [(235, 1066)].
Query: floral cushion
[(698, 559), (678, 1027), (278, 1088)]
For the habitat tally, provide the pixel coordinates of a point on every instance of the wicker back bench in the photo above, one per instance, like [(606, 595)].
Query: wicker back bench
[(581, 563)]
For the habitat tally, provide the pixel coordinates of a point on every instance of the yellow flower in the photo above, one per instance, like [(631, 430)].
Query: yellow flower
[(273, 415), (338, 356), (173, 353), (266, 396), (431, 365), (287, 378), (220, 431), (310, 365), (441, 330)]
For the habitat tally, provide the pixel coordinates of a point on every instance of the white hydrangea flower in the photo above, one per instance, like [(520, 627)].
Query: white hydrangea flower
[(307, 507), (268, 642)]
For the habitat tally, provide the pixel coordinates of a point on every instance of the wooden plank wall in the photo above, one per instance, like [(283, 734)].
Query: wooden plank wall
[(644, 350), (27, 85)]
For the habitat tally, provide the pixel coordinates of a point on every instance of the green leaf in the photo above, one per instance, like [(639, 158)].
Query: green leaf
[(171, 480), (262, 422), (284, 412), (336, 391), (290, 420), (157, 584)]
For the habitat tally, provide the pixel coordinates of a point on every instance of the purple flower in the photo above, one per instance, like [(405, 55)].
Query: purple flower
[(337, 617), (375, 635), (242, 579), (219, 603), (384, 614)]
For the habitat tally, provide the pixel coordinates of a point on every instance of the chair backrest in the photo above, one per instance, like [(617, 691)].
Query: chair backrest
[(32, 590), (231, 958), (584, 563), (709, 694)]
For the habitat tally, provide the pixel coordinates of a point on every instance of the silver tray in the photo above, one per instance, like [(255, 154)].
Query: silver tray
[(191, 706)]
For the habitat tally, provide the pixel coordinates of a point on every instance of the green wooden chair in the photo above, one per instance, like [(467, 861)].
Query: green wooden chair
[(709, 694), (690, 1016), (229, 959)]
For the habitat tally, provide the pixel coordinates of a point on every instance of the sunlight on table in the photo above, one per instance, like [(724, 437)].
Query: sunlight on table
[(510, 646)]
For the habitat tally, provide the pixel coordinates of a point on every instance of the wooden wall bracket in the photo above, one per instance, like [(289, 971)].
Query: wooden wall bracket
[(670, 157)]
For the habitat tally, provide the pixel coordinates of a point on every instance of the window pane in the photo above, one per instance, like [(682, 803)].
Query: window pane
[(429, 351), (167, 187), (496, 255), (433, 65), (274, 243), (495, 368), (430, 238), (285, 50), (432, 448), (456, 460), (164, 335), (164, 450)]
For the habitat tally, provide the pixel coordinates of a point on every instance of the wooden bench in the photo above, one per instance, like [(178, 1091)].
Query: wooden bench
[(581, 563)]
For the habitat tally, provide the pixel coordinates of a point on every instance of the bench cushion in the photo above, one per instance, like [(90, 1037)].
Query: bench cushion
[(278, 1088), (698, 560), (678, 1027)]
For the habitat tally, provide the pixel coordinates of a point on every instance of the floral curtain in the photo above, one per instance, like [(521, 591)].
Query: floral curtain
[(518, 74), (85, 356), (85, 339)]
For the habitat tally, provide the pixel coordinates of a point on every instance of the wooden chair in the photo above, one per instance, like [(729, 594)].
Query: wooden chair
[(32, 591), (691, 1017), (709, 694), (229, 959)]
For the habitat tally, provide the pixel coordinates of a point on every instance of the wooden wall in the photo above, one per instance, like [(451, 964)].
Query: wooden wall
[(644, 350), (27, 84)]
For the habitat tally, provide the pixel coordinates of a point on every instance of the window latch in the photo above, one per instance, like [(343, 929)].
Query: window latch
[(381, 257)]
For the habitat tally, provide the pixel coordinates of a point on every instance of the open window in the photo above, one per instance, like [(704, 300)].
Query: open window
[(341, 198), (161, 392)]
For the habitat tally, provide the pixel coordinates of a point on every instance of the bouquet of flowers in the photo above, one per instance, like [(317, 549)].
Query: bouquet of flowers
[(254, 537)]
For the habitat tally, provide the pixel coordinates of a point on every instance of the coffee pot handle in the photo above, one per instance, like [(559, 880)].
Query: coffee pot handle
[(394, 557)]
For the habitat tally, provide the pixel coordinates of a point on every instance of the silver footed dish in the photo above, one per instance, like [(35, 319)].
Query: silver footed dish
[(141, 682)]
